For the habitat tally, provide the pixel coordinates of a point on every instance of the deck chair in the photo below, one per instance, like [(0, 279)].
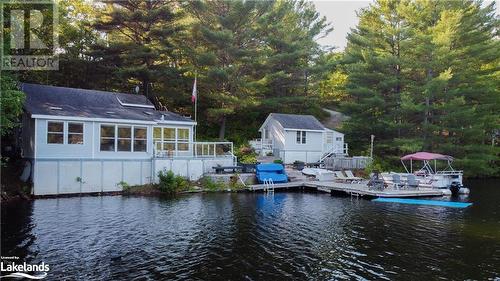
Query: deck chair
[(412, 181), (351, 176), (340, 176), (396, 181)]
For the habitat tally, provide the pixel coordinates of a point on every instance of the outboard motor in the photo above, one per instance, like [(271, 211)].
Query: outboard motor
[(455, 188)]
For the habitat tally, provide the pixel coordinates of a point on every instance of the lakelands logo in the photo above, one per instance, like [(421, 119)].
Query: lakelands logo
[(23, 270), (29, 35)]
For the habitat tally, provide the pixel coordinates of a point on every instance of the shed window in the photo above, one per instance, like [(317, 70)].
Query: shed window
[(301, 137), (75, 133), (140, 139), (338, 139), (107, 138), (55, 132), (124, 138)]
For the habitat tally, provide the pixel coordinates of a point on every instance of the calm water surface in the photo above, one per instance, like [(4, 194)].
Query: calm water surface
[(307, 236)]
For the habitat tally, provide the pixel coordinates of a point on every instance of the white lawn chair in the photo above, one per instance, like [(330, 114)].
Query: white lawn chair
[(340, 176), (352, 177)]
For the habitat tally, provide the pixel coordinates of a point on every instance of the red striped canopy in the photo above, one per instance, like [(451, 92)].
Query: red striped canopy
[(426, 156)]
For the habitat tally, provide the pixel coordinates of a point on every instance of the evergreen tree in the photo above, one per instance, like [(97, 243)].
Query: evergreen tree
[(140, 42), (227, 51), (422, 76)]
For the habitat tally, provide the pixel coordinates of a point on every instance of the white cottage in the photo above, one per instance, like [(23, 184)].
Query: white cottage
[(84, 141), (295, 137)]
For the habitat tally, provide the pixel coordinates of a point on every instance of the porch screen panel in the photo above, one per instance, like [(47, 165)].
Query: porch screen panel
[(107, 138), (183, 139), (55, 132), (157, 138), (169, 139), (140, 139), (124, 138)]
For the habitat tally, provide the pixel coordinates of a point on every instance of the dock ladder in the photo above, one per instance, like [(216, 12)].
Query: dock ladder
[(269, 185)]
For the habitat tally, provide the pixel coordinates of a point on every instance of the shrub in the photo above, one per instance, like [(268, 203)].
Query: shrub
[(249, 159), (171, 183), (212, 185), (278, 161)]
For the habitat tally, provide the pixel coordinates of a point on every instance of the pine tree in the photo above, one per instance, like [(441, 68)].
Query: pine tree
[(227, 51), (140, 42), (423, 76)]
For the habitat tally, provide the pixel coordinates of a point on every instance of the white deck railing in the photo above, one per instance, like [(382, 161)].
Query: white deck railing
[(262, 144), (180, 149)]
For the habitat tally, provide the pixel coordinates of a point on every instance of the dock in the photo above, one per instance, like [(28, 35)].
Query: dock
[(352, 189)]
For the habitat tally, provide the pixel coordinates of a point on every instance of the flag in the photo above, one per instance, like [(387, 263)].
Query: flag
[(195, 92)]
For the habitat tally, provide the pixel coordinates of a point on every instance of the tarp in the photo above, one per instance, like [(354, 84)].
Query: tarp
[(426, 156)]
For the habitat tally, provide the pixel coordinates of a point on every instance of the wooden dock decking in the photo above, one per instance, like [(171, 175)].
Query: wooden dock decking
[(356, 189)]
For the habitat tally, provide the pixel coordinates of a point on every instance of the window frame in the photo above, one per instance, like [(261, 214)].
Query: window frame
[(145, 139), (57, 133), (132, 137), (114, 137), (82, 133), (301, 137)]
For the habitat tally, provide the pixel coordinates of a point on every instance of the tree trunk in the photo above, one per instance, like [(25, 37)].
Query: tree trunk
[(222, 129)]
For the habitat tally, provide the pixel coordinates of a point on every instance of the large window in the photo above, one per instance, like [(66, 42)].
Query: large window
[(301, 137), (108, 138), (75, 133), (55, 132), (140, 139), (124, 138)]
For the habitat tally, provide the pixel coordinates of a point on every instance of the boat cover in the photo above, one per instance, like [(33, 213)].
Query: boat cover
[(277, 178), (275, 172), (270, 167), (426, 156)]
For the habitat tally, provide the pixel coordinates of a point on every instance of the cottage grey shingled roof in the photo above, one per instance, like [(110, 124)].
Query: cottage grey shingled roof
[(295, 121), (46, 100)]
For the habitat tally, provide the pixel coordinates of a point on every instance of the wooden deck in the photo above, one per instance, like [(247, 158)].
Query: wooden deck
[(355, 189)]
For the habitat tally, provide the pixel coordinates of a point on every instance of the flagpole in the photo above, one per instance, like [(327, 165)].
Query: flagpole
[(195, 109)]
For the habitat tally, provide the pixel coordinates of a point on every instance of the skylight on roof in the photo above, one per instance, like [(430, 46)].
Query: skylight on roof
[(55, 108), (110, 112), (133, 104), (148, 113)]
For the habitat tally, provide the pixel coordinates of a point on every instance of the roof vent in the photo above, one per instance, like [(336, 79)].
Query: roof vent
[(55, 108)]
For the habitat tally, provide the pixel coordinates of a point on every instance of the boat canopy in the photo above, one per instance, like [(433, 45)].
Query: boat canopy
[(426, 156)]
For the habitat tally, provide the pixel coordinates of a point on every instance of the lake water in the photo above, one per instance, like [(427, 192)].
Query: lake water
[(249, 236)]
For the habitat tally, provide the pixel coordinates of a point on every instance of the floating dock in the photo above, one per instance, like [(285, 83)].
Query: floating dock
[(353, 189)]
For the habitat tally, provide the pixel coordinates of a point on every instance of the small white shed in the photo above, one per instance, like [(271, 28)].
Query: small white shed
[(295, 137)]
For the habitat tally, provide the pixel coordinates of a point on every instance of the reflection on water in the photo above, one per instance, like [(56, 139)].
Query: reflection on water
[(256, 236)]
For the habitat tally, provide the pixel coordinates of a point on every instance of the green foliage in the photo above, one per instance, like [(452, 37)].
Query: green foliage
[(211, 185), (171, 183), (278, 161), (123, 184), (11, 102), (421, 76)]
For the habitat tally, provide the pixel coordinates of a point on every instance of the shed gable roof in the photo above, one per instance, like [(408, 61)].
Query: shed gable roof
[(296, 121), (73, 102)]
